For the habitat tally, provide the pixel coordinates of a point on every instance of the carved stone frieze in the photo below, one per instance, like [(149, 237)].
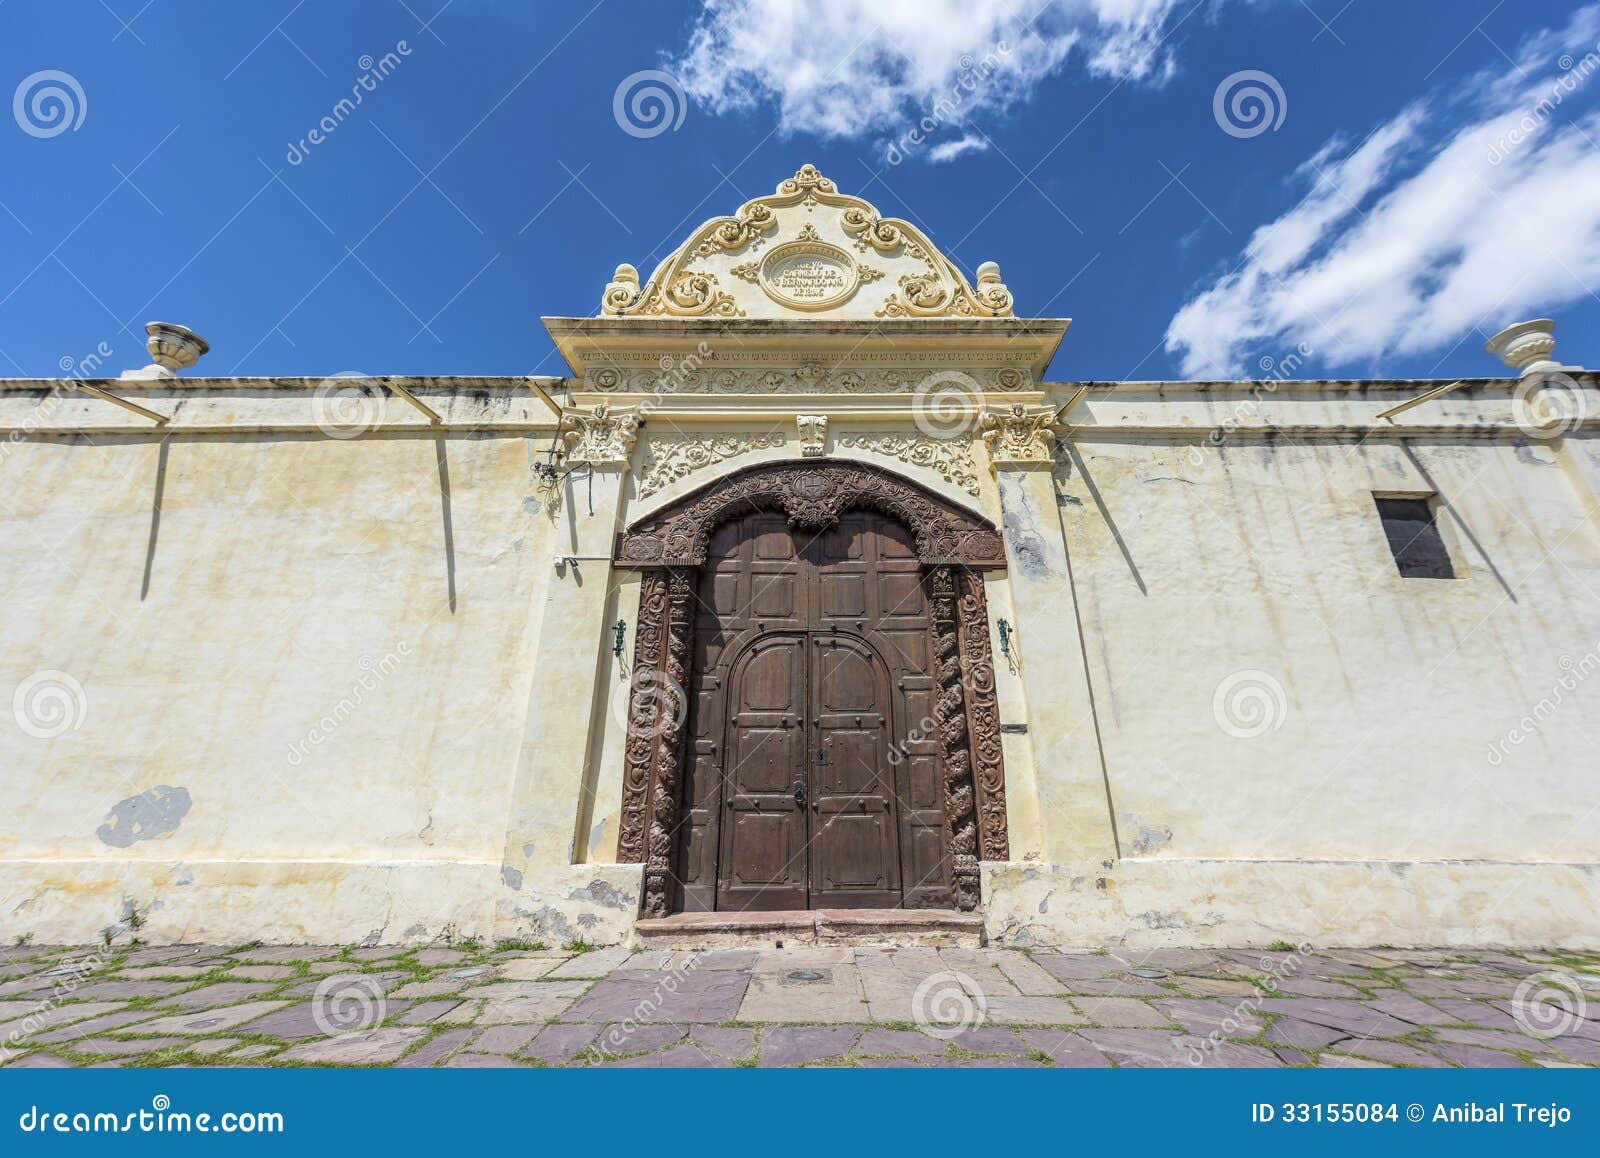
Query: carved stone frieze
[(670, 460), (801, 377), (1018, 435), (949, 458), (813, 495)]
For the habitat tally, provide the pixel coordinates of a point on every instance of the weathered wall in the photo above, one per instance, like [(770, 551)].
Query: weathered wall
[(1269, 687), (337, 689), (291, 649), (1298, 743)]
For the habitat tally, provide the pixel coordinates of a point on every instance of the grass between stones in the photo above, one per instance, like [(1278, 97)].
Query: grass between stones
[(1368, 982)]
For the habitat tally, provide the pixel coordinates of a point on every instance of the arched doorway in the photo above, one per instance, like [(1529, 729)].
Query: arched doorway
[(826, 630)]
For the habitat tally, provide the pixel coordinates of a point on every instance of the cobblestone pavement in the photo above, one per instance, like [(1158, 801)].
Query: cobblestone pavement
[(524, 1005)]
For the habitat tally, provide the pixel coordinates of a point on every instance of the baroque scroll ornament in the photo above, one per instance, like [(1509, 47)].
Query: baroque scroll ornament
[(675, 459), (949, 458)]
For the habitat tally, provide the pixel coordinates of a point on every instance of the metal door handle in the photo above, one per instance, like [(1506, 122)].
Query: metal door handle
[(799, 791)]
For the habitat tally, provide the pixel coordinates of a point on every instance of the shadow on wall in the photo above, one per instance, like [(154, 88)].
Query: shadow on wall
[(1100, 505)]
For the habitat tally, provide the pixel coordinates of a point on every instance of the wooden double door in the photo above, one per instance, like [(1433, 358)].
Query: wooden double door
[(813, 775)]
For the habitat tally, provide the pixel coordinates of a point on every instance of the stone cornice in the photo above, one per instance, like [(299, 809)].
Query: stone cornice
[(432, 384), (590, 345), (1181, 411)]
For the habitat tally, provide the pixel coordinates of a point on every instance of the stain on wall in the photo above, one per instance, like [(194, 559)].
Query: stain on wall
[(1148, 839), (1029, 551), (155, 812)]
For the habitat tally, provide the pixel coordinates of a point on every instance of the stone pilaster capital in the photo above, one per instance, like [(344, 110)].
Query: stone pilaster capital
[(1017, 436), (602, 435)]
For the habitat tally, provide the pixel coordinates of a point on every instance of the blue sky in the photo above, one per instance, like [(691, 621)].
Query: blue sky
[(1427, 172)]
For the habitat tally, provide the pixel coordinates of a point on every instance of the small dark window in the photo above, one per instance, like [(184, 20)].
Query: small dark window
[(1414, 538)]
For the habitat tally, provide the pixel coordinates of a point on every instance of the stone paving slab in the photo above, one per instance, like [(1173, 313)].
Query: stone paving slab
[(466, 1005)]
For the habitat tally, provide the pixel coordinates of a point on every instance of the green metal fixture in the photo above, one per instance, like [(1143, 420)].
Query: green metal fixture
[(1005, 637), (616, 645)]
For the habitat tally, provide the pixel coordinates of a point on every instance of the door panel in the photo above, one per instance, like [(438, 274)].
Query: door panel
[(855, 845), (763, 863)]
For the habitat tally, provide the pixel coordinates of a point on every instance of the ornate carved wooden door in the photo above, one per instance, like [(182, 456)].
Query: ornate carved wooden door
[(813, 775), (730, 590)]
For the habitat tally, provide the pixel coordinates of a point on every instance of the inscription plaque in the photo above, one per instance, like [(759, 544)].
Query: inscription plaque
[(809, 275)]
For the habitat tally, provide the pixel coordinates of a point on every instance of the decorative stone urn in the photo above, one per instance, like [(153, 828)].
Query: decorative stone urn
[(1526, 347), (173, 347)]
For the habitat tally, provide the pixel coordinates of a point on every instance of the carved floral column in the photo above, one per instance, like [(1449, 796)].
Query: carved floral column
[(950, 710), (658, 712), (983, 715)]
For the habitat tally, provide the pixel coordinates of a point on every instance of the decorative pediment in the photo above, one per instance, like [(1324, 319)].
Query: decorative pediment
[(807, 250)]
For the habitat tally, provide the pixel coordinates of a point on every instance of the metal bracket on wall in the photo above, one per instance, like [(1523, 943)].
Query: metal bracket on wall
[(134, 407)]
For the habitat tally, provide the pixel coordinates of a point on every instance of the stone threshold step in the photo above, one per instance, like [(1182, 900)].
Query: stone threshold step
[(939, 928)]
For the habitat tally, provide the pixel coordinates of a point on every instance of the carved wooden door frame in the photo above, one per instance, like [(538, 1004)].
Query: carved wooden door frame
[(954, 547)]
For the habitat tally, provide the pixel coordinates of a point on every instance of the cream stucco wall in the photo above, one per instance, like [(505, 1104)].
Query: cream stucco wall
[(292, 649), (1193, 568), (338, 689)]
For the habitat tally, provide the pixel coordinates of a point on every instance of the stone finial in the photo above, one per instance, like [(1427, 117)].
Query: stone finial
[(621, 291), (1526, 346), (173, 347), (991, 291)]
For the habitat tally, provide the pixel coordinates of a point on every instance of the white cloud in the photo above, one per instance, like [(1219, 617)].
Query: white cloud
[(854, 68), (1465, 211), (950, 150)]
